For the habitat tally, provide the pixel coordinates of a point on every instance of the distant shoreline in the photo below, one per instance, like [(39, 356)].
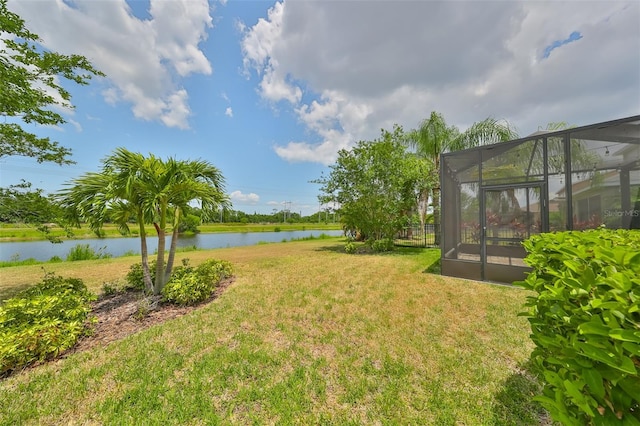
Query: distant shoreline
[(21, 233)]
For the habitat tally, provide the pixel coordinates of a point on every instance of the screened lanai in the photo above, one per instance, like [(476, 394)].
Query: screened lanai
[(495, 196)]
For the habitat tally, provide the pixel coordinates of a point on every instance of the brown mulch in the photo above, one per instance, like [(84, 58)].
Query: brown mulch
[(122, 314)]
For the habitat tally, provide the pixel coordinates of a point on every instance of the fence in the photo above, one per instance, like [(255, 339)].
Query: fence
[(417, 236)]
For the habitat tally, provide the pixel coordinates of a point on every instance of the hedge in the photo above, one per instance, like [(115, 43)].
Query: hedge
[(585, 323)]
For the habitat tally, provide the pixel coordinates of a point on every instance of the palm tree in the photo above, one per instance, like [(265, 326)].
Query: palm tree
[(434, 137), (175, 185), (148, 190)]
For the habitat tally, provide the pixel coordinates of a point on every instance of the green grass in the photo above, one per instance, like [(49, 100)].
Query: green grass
[(306, 335), (29, 261)]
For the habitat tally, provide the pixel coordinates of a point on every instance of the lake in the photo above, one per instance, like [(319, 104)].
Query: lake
[(44, 250)]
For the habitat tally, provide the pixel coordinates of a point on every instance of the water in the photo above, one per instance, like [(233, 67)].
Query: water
[(44, 250)]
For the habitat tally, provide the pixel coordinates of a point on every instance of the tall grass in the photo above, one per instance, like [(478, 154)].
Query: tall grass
[(305, 335), (86, 252)]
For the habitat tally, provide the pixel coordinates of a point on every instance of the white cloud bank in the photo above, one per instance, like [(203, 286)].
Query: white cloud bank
[(348, 69), (144, 59), (241, 198)]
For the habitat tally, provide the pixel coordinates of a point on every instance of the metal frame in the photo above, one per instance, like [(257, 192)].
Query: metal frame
[(624, 131)]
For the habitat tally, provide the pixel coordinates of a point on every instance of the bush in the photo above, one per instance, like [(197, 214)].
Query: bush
[(214, 270), (42, 321), (350, 247), (189, 223), (190, 285), (385, 244), (85, 252), (188, 289), (135, 276), (110, 288), (585, 322)]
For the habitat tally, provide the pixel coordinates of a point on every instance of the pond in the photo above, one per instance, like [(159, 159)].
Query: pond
[(44, 250)]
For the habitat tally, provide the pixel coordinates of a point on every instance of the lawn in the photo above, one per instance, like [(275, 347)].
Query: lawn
[(306, 335)]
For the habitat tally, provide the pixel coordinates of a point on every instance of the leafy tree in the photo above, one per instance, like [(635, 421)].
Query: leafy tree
[(29, 88), (150, 190), (189, 223), (434, 137), (20, 204), (374, 185)]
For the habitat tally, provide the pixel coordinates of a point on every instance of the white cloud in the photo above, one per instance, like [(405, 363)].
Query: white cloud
[(240, 198), (258, 41), (144, 59), (324, 152), (373, 64), (75, 124), (176, 111), (228, 112), (257, 48)]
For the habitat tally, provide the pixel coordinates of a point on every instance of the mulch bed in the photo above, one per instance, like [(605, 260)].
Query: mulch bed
[(119, 315)]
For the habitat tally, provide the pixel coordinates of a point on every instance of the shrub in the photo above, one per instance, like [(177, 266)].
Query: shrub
[(110, 288), (42, 321), (350, 247), (384, 244), (135, 276), (214, 270), (585, 322), (86, 252), (189, 223), (190, 285), (187, 290)]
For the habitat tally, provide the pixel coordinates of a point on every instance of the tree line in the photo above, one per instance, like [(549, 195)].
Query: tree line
[(22, 204)]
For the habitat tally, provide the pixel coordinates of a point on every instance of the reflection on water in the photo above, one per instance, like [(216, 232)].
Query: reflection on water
[(44, 250)]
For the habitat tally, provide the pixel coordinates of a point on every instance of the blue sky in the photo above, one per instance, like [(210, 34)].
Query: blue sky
[(270, 91)]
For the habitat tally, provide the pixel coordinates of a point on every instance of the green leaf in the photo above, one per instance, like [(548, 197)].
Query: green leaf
[(633, 348), (609, 358), (593, 380), (631, 385), (594, 327), (575, 392), (625, 335)]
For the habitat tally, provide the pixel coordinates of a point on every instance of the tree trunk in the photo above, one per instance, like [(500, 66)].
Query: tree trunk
[(436, 203), (174, 244), (159, 284), (436, 215), (144, 253), (423, 202)]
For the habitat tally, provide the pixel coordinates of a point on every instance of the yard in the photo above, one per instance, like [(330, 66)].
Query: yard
[(306, 334)]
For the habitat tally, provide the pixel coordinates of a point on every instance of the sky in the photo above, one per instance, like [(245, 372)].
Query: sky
[(269, 92)]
